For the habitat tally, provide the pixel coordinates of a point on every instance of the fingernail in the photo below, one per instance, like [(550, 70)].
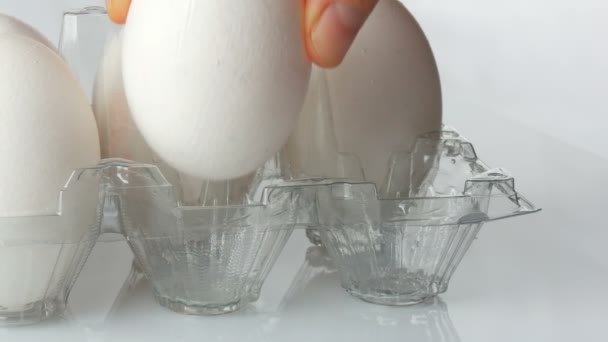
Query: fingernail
[(335, 32), (109, 5)]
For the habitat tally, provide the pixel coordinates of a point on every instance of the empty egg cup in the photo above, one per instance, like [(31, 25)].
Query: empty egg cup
[(41, 256), (201, 260), (400, 244)]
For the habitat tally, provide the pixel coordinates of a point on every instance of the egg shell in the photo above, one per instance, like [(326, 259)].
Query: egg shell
[(9, 24), (387, 90), (215, 87), (118, 135), (48, 129)]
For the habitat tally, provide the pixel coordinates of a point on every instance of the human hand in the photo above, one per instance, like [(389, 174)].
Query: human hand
[(330, 26)]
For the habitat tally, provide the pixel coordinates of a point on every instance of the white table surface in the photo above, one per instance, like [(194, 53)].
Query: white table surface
[(535, 278)]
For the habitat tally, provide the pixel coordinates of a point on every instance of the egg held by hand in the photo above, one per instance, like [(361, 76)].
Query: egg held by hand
[(215, 87)]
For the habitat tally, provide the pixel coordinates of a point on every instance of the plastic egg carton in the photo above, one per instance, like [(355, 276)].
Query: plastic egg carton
[(207, 247), (396, 245), (401, 244)]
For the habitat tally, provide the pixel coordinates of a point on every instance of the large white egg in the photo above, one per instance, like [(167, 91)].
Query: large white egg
[(47, 131), (387, 90), (13, 25), (119, 136), (215, 87)]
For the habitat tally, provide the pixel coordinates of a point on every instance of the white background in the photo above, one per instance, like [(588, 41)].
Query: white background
[(543, 63), (525, 80)]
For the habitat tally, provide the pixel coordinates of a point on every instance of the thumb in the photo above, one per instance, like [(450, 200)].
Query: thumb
[(331, 27), (118, 10)]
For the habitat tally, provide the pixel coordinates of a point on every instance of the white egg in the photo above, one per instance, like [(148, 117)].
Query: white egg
[(215, 87), (119, 136), (13, 25), (47, 131), (387, 90)]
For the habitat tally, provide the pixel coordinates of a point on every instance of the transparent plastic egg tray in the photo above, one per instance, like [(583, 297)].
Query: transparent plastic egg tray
[(398, 245), (207, 247)]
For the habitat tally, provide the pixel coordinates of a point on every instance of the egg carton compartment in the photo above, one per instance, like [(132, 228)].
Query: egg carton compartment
[(400, 243), (202, 260), (41, 256)]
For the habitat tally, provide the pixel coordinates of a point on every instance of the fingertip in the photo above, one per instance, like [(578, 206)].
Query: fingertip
[(118, 10), (330, 39)]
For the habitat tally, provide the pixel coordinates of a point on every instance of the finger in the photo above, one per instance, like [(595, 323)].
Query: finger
[(118, 10), (331, 27)]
